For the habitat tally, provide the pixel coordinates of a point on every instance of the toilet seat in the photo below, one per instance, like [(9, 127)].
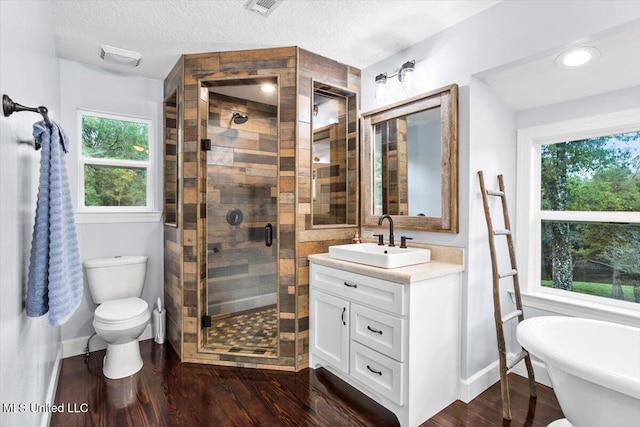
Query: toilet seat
[(122, 310)]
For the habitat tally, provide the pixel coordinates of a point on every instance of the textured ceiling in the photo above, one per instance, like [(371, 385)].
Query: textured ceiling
[(355, 32), (538, 81)]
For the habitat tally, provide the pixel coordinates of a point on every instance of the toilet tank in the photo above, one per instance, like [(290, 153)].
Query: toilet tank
[(115, 277)]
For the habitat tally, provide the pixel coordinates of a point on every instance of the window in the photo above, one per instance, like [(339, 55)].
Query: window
[(115, 169), (578, 214)]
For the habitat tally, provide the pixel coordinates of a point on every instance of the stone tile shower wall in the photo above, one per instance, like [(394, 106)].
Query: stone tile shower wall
[(173, 250), (313, 240), (330, 198), (171, 161), (242, 174), (186, 244)]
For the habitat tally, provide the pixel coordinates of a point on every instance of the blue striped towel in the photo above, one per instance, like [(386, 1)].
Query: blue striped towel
[(55, 270)]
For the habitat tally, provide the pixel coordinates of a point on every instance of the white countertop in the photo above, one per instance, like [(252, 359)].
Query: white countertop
[(404, 275)]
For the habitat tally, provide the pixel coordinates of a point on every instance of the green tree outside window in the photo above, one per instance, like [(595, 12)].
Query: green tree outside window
[(596, 174), (115, 155)]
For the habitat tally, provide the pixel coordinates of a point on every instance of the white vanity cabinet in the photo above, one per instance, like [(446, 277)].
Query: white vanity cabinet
[(394, 338), (332, 339)]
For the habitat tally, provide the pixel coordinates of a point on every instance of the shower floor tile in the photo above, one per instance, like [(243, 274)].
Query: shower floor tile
[(253, 332)]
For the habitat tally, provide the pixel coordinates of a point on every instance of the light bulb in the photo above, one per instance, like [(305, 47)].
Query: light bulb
[(408, 81), (577, 57), (381, 82), (268, 88)]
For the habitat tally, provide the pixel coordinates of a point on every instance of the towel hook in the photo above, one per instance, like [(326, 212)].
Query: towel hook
[(9, 107)]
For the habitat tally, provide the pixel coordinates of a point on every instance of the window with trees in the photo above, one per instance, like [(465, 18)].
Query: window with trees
[(597, 175), (114, 163), (582, 228)]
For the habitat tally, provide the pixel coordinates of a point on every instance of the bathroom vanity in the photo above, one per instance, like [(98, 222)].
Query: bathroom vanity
[(391, 333)]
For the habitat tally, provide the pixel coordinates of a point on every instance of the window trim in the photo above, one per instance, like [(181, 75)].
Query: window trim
[(95, 214), (529, 217)]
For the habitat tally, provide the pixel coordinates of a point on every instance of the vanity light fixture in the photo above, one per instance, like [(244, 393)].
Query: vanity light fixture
[(405, 75), (577, 57), (119, 56)]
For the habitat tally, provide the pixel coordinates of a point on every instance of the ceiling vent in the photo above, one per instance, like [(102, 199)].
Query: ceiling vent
[(119, 56), (262, 7)]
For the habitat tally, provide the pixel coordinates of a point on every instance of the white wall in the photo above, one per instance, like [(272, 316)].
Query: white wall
[(32, 75), (29, 353), (620, 100), (509, 32), (90, 88), (494, 152)]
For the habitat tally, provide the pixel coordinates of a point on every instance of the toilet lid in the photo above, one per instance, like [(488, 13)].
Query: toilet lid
[(121, 309)]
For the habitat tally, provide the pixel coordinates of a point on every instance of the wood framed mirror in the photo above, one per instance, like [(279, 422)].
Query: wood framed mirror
[(410, 162)]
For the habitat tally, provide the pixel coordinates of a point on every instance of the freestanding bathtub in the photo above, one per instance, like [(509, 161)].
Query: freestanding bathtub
[(594, 368)]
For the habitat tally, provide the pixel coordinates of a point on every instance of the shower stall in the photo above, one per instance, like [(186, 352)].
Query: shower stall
[(242, 209), (238, 204)]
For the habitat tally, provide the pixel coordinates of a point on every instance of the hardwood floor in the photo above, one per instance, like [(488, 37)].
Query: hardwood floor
[(169, 393)]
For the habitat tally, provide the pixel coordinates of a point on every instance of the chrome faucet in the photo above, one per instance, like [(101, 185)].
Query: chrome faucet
[(382, 218)]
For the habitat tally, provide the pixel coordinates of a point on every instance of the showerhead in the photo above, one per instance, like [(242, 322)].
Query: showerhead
[(239, 118)]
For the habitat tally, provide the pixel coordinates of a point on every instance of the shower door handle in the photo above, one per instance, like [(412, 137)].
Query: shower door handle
[(268, 235)]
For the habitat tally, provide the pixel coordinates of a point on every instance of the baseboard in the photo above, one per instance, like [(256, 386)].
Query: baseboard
[(539, 370), (485, 378), (53, 387), (471, 387), (77, 346)]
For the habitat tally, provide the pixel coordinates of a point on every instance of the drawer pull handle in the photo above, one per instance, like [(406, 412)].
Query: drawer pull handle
[(351, 285), (342, 316), (375, 371), (374, 330)]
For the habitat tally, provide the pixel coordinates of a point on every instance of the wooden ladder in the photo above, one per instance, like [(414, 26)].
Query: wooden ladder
[(505, 363)]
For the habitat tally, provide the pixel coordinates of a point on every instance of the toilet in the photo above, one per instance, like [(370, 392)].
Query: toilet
[(116, 285)]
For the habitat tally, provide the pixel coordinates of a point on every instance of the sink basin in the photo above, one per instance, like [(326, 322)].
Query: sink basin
[(380, 256)]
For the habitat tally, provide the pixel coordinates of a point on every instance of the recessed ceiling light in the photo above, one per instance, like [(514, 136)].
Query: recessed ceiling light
[(268, 87), (577, 57), (119, 56)]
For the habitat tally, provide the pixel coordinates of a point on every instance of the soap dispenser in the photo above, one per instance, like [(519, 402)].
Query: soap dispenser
[(356, 237)]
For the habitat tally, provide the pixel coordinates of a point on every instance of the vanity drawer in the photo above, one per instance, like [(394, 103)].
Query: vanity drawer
[(378, 372), (387, 296), (379, 331)]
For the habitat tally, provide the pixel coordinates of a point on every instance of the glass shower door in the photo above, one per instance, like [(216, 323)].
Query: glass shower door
[(242, 177)]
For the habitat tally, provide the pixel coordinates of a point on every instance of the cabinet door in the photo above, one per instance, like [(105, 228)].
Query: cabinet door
[(330, 329)]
